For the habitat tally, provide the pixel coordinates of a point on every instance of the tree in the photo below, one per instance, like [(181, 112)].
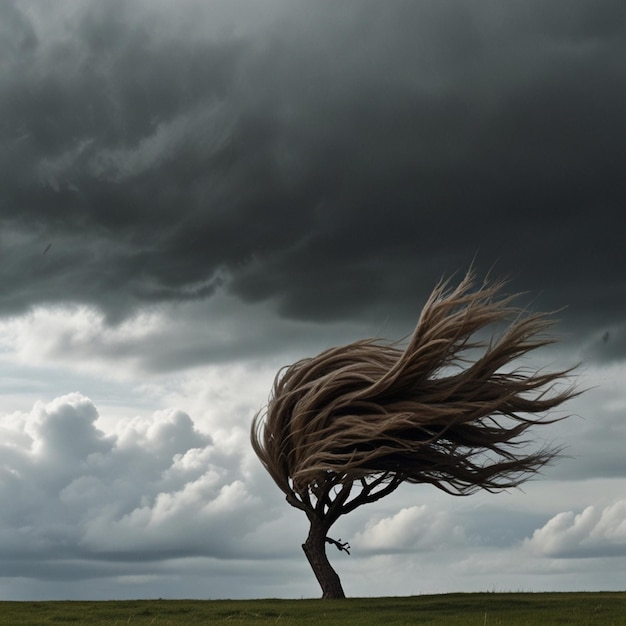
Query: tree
[(349, 426)]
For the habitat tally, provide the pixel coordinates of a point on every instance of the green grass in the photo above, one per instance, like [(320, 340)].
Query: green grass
[(479, 609)]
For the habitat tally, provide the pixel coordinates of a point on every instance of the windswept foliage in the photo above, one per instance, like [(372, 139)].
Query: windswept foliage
[(449, 408)]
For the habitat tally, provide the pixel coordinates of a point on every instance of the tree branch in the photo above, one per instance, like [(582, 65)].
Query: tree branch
[(335, 510), (366, 496), (341, 546), (293, 500)]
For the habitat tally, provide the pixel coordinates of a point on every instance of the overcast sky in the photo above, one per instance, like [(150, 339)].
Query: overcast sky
[(196, 193)]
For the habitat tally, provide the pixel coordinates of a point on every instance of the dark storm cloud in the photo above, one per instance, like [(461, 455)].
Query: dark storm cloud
[(338, 159)]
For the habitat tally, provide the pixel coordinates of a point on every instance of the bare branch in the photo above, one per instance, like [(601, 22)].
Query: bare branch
[(366, 496), (341, 546)]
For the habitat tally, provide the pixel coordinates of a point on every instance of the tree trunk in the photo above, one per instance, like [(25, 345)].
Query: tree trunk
[(315, 550)]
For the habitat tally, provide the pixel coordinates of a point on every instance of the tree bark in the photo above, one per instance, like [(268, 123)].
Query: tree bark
[(315, 549)]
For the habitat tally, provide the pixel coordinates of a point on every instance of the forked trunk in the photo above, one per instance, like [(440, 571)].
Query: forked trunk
[(315, 549)]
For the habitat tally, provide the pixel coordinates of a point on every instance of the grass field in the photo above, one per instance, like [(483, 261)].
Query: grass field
[(479, 609)]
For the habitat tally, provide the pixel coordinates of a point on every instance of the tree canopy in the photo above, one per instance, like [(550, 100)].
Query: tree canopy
[(449, 408)]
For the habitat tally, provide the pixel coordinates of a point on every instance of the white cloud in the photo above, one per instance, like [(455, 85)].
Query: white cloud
[(595, 532), (79, 338), (155, 488), (416, 528), (170, 337)]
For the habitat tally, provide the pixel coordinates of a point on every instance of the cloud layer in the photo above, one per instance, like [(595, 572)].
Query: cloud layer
[(156, 488), (155, 498), (334, 161), (595, 532), (416, 528)]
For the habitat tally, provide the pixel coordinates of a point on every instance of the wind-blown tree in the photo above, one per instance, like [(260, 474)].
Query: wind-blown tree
[(349, 426)]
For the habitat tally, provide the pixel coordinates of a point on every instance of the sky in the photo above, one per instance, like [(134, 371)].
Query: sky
[(194, 194)]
